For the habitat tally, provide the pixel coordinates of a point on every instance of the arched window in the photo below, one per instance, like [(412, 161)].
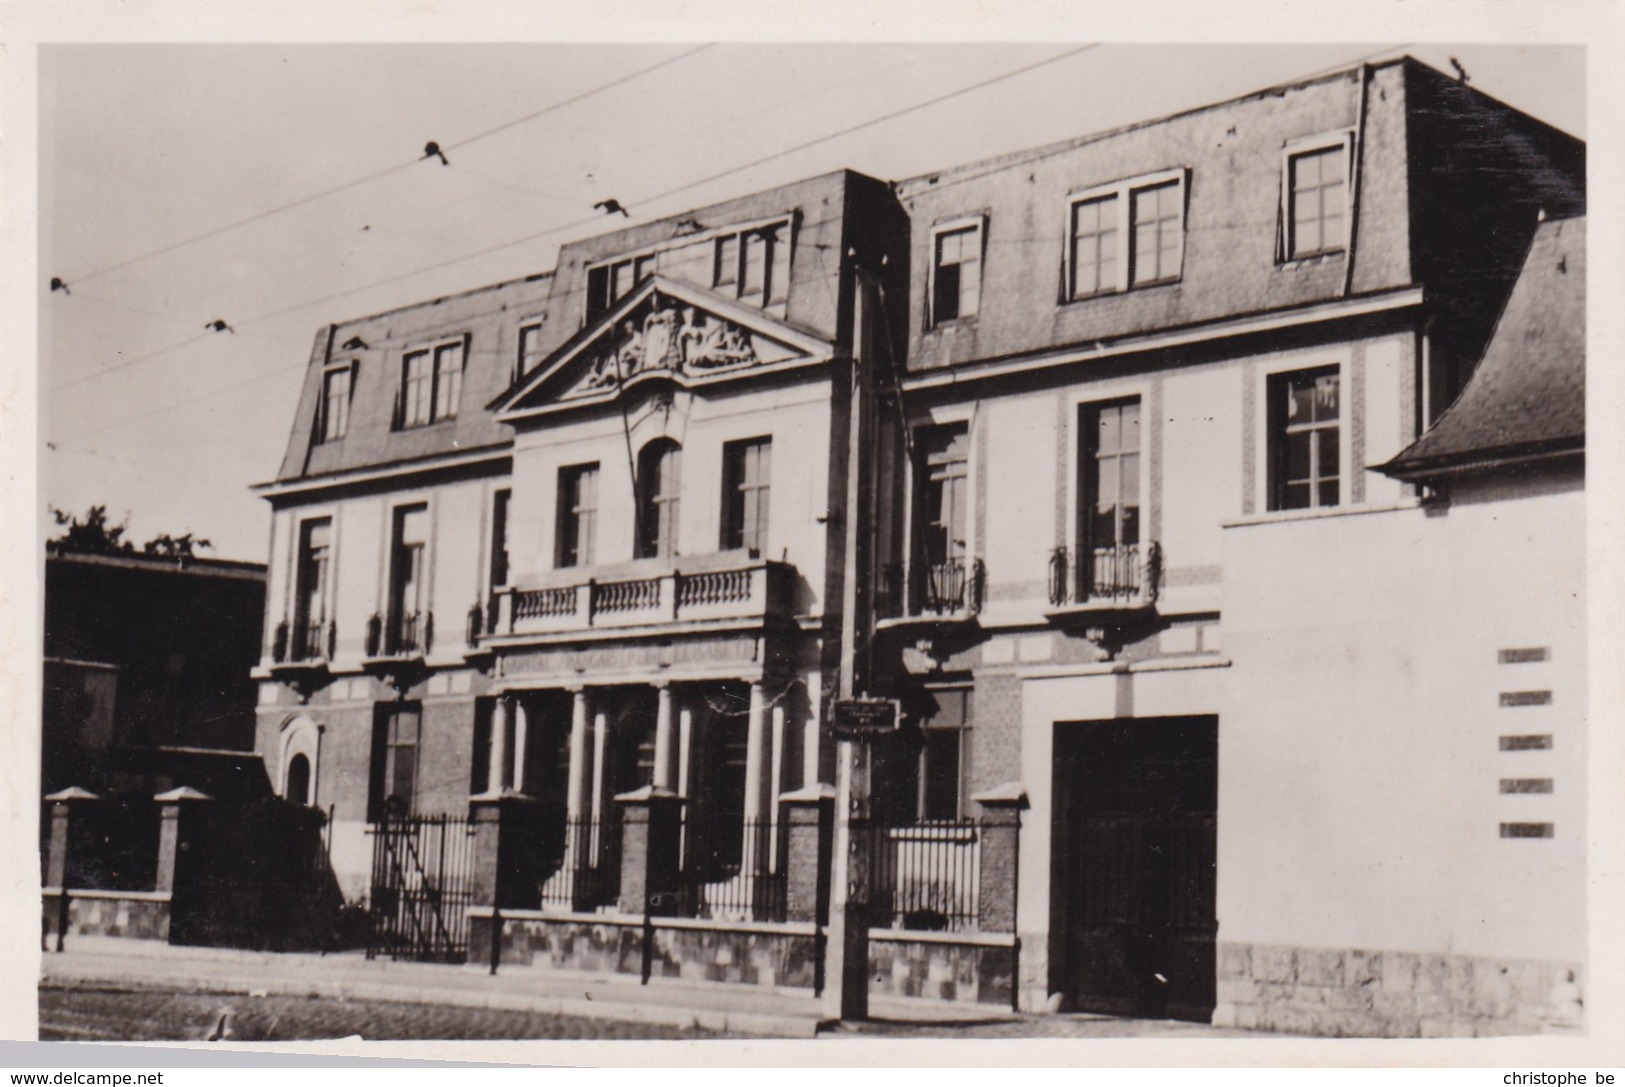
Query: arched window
[(298, 788), (659, 477)]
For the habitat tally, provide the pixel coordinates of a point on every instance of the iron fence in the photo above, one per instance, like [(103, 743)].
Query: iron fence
[(925, 876), (733, 870), (422, 886), (588, 877)]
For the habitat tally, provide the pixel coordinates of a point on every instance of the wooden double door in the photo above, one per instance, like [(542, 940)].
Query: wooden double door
[(1135, 865)]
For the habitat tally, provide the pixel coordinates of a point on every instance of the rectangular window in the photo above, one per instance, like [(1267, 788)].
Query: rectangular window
[(448, 379), (408, 574), (1317, 202), (530, 349), (956, 274), (578, 515), (499, 538), (746, 468), (1109, 478), (1159, 234), (727, 264), (1147, 211), (417, 389), (335, 403), (943, 757), (1304, 435), (310, 606), (431, 384), (944, 479), (753, 274), (396, 735), (1094, 246)]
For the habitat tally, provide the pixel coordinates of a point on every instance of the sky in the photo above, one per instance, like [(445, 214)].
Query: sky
[(277, 188)]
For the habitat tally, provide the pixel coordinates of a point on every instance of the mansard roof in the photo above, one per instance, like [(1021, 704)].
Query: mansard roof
[(1527, 397), (663, 330)]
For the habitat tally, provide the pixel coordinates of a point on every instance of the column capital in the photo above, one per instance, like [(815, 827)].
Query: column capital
[(71, 794)]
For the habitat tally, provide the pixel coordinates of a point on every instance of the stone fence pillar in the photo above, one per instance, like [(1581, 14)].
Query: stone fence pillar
[(63, 805), (651, 833), (508, 850), (1000, 829), (809, 830)]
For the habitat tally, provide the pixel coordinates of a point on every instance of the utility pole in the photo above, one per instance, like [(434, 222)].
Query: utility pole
[(846, 970)]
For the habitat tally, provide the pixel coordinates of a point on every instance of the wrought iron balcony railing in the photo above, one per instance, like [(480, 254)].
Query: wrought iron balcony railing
[(304, 642), (1121, 576), (954, 587), (410, 634)]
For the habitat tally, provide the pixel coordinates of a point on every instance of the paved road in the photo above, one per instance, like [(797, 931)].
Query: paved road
[(100, 1015)]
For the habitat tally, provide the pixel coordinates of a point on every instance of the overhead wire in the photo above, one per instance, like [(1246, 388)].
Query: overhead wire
[(81, 277), (587, 220)]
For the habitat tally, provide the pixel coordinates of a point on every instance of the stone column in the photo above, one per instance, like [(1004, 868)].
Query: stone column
[(521, 733), (664, 740), (808, 820), (497, 779), (756, 765), (577, 784), (651, 822), (1000, 829), (507, 853), (600, 736)]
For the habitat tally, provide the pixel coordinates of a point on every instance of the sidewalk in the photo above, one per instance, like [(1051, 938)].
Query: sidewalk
[(91, 962)]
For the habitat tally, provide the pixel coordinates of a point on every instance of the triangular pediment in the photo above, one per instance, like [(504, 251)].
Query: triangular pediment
[(662, 331)]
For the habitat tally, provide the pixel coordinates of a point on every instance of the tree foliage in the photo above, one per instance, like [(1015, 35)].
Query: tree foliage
[(93, 534)]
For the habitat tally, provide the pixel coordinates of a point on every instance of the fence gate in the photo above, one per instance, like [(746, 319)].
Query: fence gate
[(422, 886)]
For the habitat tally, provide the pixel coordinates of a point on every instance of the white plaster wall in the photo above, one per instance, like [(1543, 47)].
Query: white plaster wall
[(796, 418), (1359, 759), (1020, 526), (1387, 431), (1201, 474)]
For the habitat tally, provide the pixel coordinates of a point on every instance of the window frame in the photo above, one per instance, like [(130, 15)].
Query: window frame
[(965, 224), (652, 505), (1281, 430), (521, 356), (326, 595), (782, 226), (434, 394), (394, 611), (1264, 445), (384, 747), (1124, 192), (739, 530), (567, 517), (325, 431), (1298, 148)]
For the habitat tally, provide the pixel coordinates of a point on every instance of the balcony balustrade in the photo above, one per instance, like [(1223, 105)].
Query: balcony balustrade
[(647, 592)]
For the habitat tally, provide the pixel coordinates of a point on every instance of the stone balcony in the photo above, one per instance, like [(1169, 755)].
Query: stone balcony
[(731, 588)]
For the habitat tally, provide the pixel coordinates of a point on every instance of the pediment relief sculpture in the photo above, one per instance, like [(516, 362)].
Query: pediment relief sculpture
[(670, 337)]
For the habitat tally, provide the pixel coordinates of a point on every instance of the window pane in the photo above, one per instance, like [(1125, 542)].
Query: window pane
[(1108, 430), (415, 382), (946, 303), (1326, 397), (940, 755), (1129, 478), (1328, 452), (1328, 493), (1295, 448), (1295, 496), (754, 280), (958, 277), (448, 380), (727, 261)]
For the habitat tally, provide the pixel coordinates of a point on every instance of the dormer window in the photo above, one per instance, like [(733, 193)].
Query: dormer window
[(751, 263), (431, 384), (956, 272), (334, 410), (1127, 234), (1314, 197)]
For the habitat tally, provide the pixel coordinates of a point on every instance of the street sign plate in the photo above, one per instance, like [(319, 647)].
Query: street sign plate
[(865, 718)]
